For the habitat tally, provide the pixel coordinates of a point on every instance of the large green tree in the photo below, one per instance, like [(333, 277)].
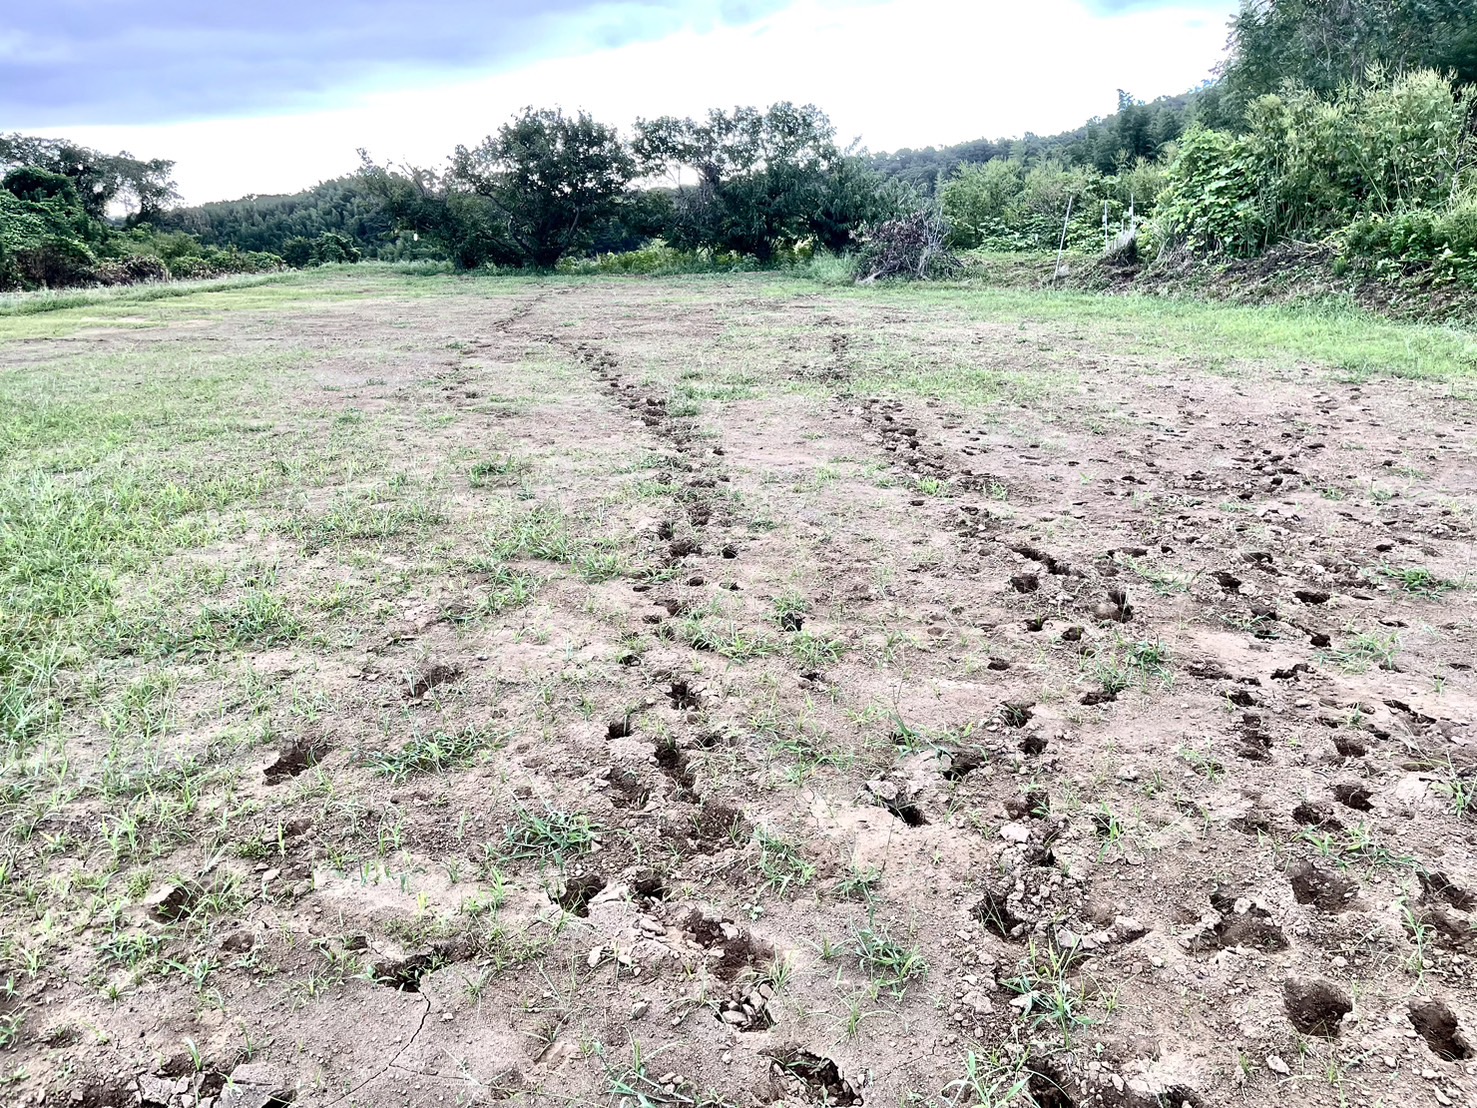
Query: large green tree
[(103, 182), (552, 180), (761, 181)]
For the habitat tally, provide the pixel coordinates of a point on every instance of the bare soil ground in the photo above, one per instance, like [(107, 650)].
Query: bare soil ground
[(726, 692)]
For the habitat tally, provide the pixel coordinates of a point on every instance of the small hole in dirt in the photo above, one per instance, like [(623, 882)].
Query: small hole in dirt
[(1438, 1025), (1242, 699), (1311, 596), (665, 530), (1036, 624), (1101, 696), (907, 811), (995, 913), (998, 665), (618, 728), (820, 1076), (681, 548), (682, 695), (961, 763), (1320, 639), (729, 551), (421, 683), (1322, 888), (1025, 582), (791, 621), (579, 891), (404, 974), (1316, 813), (1016, 713), (1046, 1087), (1034, 743), (1034, 804), (296, 758), (649, 884), (1315, 1007), (696, 581), (1349, 747), (627, 791), (1434, 883), (672, 760), (1252, 927), (1072, 634), (1353, 796)]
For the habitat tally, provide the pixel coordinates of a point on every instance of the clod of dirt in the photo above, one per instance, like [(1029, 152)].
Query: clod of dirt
[(1311, 596), (579, 891), (1438, 1025), (1291, 671), (293, 760), (818, 1079), (1325, 889), (1242, 699), (1315, 1007), (995, 912), (417, 685), (1353, 796), (1208, 669), (1025, 582)]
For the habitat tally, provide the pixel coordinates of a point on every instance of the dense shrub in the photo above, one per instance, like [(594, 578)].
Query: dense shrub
[(1005, 205), (1309, 166)]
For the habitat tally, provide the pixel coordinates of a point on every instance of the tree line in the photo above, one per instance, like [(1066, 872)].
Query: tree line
[(1348, 122)]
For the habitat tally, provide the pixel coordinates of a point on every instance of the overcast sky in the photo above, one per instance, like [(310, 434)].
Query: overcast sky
[(274, 95)]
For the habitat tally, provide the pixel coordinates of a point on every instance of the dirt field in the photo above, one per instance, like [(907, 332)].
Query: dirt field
[(734, 691)]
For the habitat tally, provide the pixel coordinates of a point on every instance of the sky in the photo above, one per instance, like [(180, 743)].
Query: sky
[(269, 96)]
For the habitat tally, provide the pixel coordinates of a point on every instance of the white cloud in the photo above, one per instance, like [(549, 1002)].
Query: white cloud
[(896, 73)]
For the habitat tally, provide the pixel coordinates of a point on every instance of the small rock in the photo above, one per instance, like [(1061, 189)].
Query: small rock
[(1277, 1065)]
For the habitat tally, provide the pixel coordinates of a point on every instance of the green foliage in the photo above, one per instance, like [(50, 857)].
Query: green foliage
[(1007, 205), (549, 178), (1310, 165), (767, 181), (328, 248), (1325, 47), (101, 182), (346, 206)]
